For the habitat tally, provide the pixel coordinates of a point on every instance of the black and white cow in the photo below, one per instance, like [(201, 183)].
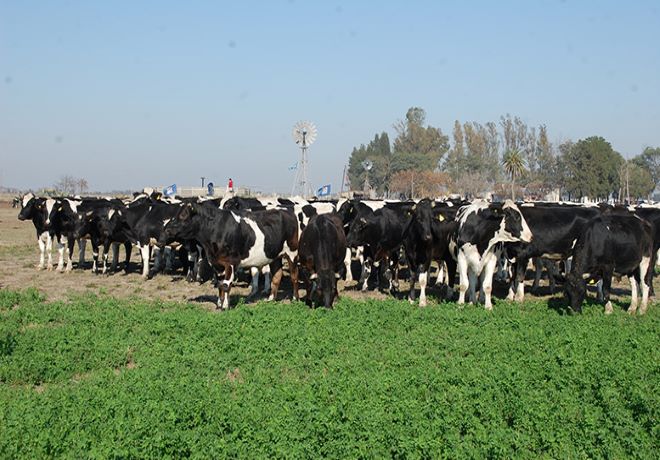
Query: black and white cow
[(612, 243), (38, 210), (234, 240), (483, 229), (427, 239), (556, 228), (321, 253), (380, 228), (105, 226)]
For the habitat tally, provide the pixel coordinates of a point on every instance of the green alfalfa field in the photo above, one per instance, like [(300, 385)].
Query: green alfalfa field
[(97, 376)]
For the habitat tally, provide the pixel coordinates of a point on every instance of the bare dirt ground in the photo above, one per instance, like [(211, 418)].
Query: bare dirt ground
[(19, 257)]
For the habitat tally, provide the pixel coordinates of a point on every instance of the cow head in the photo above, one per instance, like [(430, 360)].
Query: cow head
[(182, 226), (360, 230), (83, 225), (324, 288), (33, 208), (422, 216), (514, 226), (575, 290)]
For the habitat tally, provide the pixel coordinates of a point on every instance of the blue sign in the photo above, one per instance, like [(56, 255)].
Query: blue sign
[(209, 189), (324, 191), (170, 191)]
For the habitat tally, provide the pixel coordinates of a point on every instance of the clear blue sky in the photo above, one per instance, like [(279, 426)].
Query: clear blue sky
[(132, 93)]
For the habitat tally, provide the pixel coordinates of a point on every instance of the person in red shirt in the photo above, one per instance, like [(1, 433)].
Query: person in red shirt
[(230, 186)]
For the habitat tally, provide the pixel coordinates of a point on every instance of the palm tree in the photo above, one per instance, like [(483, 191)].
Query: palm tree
[(514, 165)]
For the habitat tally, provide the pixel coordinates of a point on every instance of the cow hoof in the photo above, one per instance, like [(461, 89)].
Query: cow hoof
[(49, 268), (422, 303)]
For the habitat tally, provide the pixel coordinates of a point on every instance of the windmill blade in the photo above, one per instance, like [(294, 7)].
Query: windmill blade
[(304, 131)]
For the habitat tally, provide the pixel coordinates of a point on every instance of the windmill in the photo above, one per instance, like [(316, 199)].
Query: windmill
[(367, 165), (304, 134)]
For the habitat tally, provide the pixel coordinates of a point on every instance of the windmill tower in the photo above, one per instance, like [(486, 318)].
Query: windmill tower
[(367, 165), (304, 134)]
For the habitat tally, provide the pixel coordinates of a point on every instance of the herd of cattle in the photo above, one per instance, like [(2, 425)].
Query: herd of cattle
[(319, 240)]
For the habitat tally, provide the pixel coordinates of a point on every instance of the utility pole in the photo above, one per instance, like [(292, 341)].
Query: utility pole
[(203, 181)]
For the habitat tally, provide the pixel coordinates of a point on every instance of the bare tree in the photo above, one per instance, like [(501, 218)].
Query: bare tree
[(82, 185), (66, 185)]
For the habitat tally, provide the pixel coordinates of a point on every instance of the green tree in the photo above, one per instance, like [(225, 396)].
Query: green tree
[(455, 163), (378, 151), (649, 159), (422, 143), (636, 181), (514, 166), (592, 168)]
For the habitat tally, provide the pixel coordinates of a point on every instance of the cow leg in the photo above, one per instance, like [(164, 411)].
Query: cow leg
[(633, 295), (115, 257), (266, 272), (414, 271), (294, 273), (473, 281), (69, 253), (144, 253), (61, 246), (519, 276), (567, 265), (254, 271), (106, 249), (440, 279), (49, 252), (423, 277), (276, 271), (95, 254), (366, 273), (192, 266), (646, 278), (513, 285), (606, 286), (225, 287), (538, 272), (487, 282), (347, 264), (41, 241), (128, 248), (463, 277), (158, 260), (82, 244)]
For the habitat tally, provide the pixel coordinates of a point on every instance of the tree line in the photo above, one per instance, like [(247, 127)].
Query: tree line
[(505, 157)]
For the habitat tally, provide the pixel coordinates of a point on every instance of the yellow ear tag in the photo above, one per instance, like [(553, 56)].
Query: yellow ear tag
[(441, 217)]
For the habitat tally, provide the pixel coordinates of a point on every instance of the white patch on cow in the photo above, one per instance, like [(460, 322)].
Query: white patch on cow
[(111, 213), (468, 210), (574, 242), (374, 205), (586, 276), (608, 228), (166, 221), (552, 256), (73, 204), (526, 233), (643, 268), (254, 271), (527, 205), (449, 204), (236, 218), (256, 255), (423, 278), (50, 203), (608, 308), (347, 265), (27, 198), (633, 295)]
